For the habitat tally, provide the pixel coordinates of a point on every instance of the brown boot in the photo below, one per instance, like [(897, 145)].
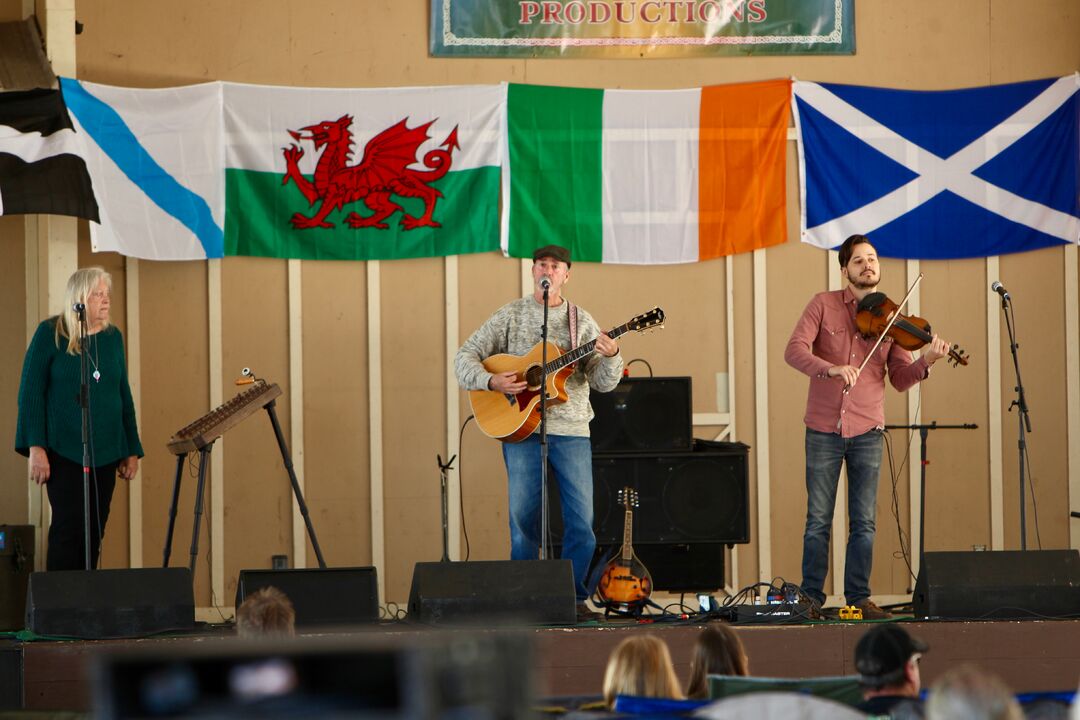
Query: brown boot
[(870, 610)]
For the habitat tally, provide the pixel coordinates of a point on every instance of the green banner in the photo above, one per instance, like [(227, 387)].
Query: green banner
[(641, 28)]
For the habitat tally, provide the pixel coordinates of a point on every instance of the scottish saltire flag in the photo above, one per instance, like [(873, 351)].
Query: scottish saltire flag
[(41, 169), (156, 162), (646, 176), (362, 174), (946, 174)]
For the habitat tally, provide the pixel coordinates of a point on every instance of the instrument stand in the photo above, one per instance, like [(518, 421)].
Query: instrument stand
[(444, 491), (84, 405), (204, 456), (1023, 419), (545, 521), (924, 433)]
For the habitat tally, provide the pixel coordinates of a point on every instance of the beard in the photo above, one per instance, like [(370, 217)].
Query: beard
[(865, 281)]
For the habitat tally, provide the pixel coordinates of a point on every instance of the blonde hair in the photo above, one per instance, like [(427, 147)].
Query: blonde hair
[(266, 612), (718, 651), (641, 665), (79, 286)]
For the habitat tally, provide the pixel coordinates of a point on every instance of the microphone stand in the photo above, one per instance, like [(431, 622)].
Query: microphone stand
[(544, 519), (1023, 418), (444, 469), (924, 433), (84, 404)]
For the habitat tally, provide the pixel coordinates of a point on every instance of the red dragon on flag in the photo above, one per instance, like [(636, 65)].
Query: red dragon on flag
[(383, 172)]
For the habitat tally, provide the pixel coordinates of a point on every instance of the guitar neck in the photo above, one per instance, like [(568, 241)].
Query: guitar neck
[(582, 350), (628, 535)]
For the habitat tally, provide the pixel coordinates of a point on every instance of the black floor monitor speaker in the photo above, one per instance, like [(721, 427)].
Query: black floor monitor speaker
[(539, 592), (1032, 584), (643, 415), (97, 604), (16, 564), (320, 596)]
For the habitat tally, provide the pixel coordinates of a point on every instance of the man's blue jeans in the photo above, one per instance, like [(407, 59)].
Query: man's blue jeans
[(571, 459), (824, 454)]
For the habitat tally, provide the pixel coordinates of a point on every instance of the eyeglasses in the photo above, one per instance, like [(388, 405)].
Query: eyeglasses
[(916, 658)]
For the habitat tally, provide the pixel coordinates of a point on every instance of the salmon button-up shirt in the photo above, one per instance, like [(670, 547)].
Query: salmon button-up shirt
[(827, 335)]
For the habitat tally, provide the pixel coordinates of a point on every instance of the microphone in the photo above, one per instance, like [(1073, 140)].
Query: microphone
[(1000, 290), (545, 283), (79, 308)]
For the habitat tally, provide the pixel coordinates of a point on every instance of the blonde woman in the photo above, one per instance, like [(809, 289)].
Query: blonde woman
[(641, 666), (49, 430)]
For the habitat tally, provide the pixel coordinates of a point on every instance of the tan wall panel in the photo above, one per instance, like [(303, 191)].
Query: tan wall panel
[(1034, 281), (414, 415), (486, 282), (258, 495), (796, 272), (954, 296), (13, 474), (336, 452), (175, 369), (745, 414)]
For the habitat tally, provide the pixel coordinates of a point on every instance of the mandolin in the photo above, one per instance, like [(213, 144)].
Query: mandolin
[(512, 418), (626, 584)]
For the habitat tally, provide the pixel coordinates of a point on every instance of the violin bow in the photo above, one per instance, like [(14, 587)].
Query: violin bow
[(896, 314)]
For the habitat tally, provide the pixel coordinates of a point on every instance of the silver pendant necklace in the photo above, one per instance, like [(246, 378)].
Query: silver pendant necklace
[(92, 340)]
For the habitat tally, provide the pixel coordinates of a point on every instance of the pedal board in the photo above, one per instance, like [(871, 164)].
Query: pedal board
[(771, 614)]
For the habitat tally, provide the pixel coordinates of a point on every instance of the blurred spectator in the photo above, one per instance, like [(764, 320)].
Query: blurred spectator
[(887, 659), (268, 612), (641, 665), (970, 693), (718, 651)]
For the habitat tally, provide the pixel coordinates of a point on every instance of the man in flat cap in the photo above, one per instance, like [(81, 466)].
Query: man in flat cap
[(887, 659), (515, 329)]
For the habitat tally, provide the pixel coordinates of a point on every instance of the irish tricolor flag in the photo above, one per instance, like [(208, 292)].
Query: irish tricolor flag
[(362, 174), (644, 176)]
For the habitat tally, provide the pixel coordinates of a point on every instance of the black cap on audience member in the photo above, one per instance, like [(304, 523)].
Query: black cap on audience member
[(882, 653), (553, 251)]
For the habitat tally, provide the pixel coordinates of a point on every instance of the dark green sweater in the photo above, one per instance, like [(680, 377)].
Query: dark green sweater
[(49, 412)]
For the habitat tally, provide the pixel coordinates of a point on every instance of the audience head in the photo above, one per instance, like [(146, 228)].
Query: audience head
[(718, 651), (969, 693), (640, 665), (268, 612), (887, 659)]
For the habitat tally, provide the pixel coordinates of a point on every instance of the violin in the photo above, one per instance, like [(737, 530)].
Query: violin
[(908, 331)]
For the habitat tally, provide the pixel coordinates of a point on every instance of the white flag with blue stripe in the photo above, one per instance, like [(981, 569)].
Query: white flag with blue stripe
[(941, 174), (156, 160)]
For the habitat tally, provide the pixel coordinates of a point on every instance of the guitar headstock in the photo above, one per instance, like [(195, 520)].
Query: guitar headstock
[(646, 321), (628, 497)]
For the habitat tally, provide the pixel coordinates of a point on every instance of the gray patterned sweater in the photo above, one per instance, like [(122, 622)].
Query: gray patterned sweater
[(515, 329)]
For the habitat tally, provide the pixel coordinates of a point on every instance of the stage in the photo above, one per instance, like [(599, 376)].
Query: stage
[(1030, 655)]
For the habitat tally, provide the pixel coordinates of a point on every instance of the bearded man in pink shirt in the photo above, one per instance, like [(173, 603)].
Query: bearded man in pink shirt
[(847, 426)]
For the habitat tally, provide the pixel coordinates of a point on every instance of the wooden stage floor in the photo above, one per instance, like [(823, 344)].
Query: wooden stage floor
[(1030, 655)]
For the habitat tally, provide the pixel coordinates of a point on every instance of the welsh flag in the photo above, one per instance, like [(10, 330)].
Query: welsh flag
[(646, 176), (367, 174)]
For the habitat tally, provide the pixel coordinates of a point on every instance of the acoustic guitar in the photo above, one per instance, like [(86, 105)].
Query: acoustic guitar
[(626, 583), (513, 418)]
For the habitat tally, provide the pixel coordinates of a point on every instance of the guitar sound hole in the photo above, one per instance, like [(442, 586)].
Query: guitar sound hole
[(532, 376)]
